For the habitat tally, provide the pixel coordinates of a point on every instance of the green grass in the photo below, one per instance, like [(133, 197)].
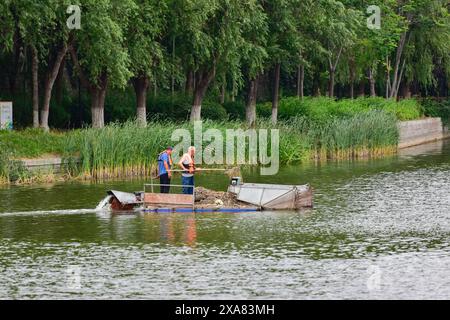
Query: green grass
[(30, 143)]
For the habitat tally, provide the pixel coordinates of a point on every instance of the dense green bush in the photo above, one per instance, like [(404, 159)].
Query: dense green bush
[(435, 108), (322, 108), (178, 108), (235, 110), (119, 105), (214, 111)]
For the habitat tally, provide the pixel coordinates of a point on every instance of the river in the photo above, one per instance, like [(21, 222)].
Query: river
[(380, 229)]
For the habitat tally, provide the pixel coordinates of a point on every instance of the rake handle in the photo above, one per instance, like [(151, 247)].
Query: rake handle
[(199, 169)]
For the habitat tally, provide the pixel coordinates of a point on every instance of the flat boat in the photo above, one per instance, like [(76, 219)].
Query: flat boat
[(240, 197)]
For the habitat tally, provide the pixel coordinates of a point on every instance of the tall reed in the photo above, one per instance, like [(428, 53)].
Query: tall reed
[(126, 150)]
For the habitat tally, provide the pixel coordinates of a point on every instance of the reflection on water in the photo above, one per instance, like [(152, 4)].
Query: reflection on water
[(379, 229)]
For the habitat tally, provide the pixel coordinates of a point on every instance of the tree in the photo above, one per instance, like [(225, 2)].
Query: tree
[(6, 26), (338, 32), (143, 42), (253, 59), (99, 53), (283, 41), (307, 46), (425, 37), (212, 34), (427, 43), (41, 29), (373, 45)]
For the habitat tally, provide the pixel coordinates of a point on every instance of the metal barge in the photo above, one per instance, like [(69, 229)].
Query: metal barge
[(240, 197)]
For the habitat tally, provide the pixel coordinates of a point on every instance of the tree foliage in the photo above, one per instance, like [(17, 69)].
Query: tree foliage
[(224, 49)]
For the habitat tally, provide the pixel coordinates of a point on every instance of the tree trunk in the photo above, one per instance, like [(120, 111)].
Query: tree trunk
[(352, 67), (98, 101), (397, 78), (94, 104), (362, 88), (332, 69), (59, 83), (372, 83), (97, 115), (190, 82), (35, 78), (275, 93), (17, 45), (331, 84), (49, 82), (141, 85), (407, 90), (173, 68), (98, 95), (97, 90), (250, 107), (202, 81), (222, 93), (300, 81), (316, 85), (388, 78), (196, 110), (233, 93)]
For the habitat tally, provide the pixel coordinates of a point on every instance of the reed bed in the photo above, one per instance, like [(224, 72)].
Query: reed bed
[(127, 150), (124, 150)]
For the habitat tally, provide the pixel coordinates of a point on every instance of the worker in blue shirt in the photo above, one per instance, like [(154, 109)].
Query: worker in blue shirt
[(164, 167)]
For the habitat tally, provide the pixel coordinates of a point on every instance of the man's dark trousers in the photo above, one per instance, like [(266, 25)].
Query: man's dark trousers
[(165, 181)]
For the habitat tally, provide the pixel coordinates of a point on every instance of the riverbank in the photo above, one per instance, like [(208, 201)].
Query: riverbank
[(127, 150), (417, 132), (310, 130)]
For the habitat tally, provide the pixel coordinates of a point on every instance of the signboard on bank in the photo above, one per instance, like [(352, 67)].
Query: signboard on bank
[(6, 115)]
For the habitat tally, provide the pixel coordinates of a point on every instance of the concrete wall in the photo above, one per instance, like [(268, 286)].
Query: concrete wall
[(413, 133), (53, 164)]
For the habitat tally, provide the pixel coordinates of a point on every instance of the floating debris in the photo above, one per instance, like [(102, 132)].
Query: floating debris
[(210, 198)]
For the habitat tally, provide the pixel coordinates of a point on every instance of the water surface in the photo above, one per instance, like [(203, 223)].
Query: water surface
[(380, 229)]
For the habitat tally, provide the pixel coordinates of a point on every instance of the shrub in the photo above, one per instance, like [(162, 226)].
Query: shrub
[(120, 105), (235, 110), (435, 108), (178, 108), (322, 109), (264, 110), (214, 111)]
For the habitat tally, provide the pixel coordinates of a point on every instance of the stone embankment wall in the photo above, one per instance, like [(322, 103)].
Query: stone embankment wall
[(53, 164), (416, 132)]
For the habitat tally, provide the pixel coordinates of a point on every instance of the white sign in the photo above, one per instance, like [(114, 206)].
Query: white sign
[(6, 115)]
